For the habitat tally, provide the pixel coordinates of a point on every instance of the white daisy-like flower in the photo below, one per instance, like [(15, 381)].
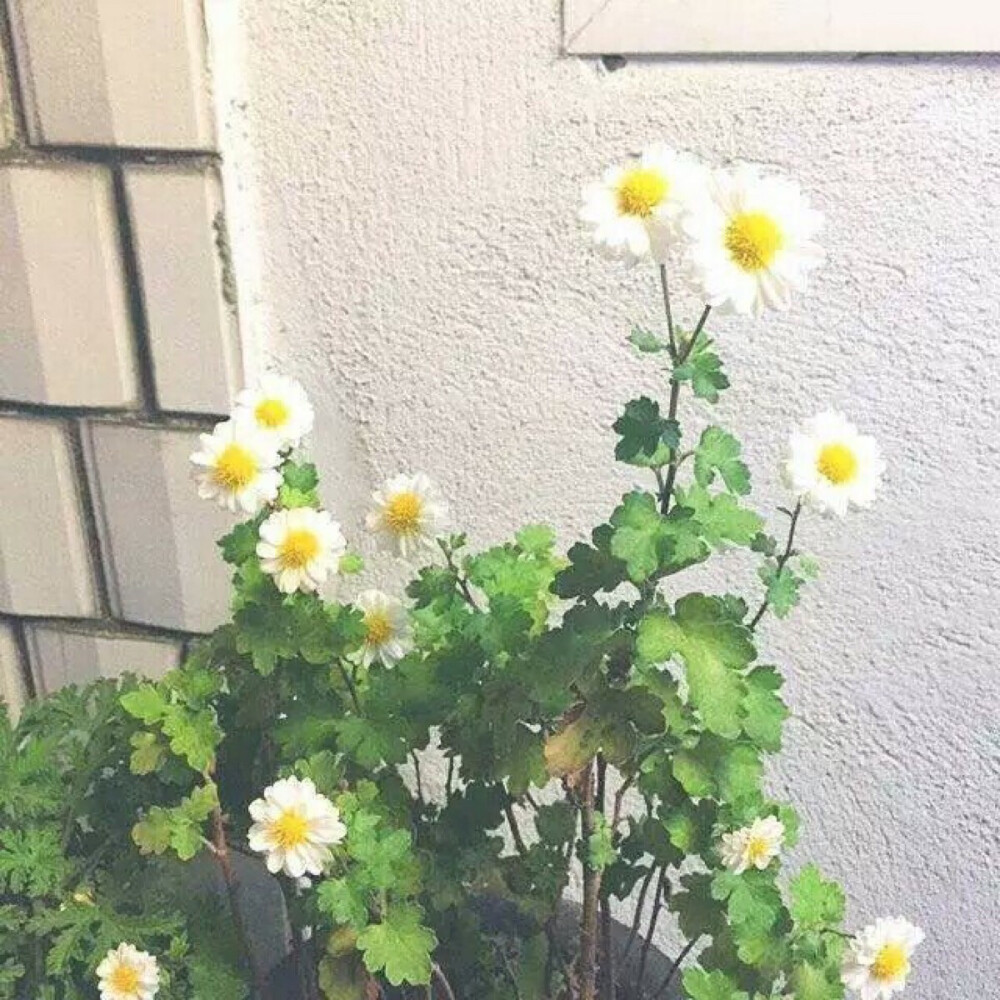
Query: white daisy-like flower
[(278, 406), (236, 466), (752, 240), (300, 548), (753, 846), (408, 513), (295, 826), (831, 467), (126, 973), (634, 209), (877, 961), (387, 628)]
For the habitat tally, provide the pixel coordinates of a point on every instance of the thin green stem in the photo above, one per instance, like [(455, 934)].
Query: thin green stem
[(685, 951), (782, 560), (351, 686), (670, 318)]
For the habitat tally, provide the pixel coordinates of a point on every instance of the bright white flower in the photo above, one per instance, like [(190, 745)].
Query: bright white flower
[(408, 513), (387, 628), (294, 826), (300, 548), (832, 467), (752, 240), (877, 961), (236, 466), (753, 846), (278, 406), (126, 973), (634, 209)]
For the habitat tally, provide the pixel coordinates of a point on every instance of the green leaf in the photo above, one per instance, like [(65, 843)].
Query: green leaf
[(702, 985), (592, 568), (600, 847), (713, 649), (782, 588), (703, 370), (647, 542), (399, 947), (720, 519), (765, 712), (152, 833), (344, 901), (300, 476), (148, 753), (645, 341), (719, 452), (241, 543), (350, 564), (811, 983), (370, 744), (556, 823), (146, 702), (816, 902), (647, 439)]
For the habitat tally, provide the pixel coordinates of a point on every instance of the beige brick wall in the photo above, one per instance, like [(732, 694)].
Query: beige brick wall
[(118, 339)]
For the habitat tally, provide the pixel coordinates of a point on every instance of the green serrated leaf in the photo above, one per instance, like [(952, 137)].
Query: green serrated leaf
[(646, 438), (816, 902), (702, 985), (718, 452), (399, 947), (703, 370), (645, 341), (600, 846), (764, 710)]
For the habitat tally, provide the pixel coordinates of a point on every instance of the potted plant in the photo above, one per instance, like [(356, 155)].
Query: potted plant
[(429, 777)]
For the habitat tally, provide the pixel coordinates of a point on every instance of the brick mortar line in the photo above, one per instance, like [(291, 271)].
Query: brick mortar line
[(160, 419), (21, 642), (89, 516), (107, 627), (110, 156), (12, 76)]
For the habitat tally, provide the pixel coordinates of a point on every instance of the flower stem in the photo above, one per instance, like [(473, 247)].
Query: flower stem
[(587, 960), (782, 560)]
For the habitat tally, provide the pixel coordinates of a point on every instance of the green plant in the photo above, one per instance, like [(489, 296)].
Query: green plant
[(587, 713)]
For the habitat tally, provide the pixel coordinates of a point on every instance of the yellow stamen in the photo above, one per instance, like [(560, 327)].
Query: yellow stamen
[(403, 513), (298, 549), (640, 191), (758, 849), (378, 626), (837, 463), (235, 468), (291, 829), (271, 413), (753, 240), (125, 979), (890, 963)]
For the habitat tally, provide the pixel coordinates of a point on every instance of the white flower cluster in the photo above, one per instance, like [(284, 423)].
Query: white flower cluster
[(746, 237)]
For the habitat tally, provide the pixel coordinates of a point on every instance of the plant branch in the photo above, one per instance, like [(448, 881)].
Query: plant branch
[(654, 918), (463, 583), (782, 560), (515, 830), (220, 851), (639, 907), (442, 980), (587, 960), (670, 317), (685, 951), (416, 774), (351, 687)]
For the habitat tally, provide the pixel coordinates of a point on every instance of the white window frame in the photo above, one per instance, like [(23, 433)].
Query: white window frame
[(626, 27)]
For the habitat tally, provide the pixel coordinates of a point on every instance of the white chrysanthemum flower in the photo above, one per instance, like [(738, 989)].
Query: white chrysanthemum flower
[(300, 548), (634, 209), (753, 846), (237, 467), (387, 628), (832, 467), (126, 973), (877, 961), (295, 826), (408, 513), (752, 240), (278, 406)]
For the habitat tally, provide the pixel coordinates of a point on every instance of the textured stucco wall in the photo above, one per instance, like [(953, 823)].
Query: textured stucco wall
[(407, 175)]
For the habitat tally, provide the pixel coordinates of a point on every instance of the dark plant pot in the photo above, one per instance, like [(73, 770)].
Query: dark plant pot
[(499, 916)]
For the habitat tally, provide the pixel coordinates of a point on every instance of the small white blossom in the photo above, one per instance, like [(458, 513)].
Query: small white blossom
[(408, 513), (126, 973), (634, 209), (300, 548), (236, 466), (387, 628), (877, 961), (752, 240), (831, 467), (277, 406), (294, 827), (753, 846)]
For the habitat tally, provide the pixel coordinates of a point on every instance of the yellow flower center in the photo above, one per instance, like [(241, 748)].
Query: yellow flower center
[(753, 240), (758, 849), (403, 512), (890, 963), (291, 829), (640, 191), (125, 979), (378, 626), (271, 413), (298, 549), (837, 463), (235, 468)]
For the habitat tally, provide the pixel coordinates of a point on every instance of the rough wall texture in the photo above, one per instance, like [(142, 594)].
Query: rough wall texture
[(413, 169)]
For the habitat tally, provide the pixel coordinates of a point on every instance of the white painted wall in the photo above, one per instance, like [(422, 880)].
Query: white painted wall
[(405, 177)]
